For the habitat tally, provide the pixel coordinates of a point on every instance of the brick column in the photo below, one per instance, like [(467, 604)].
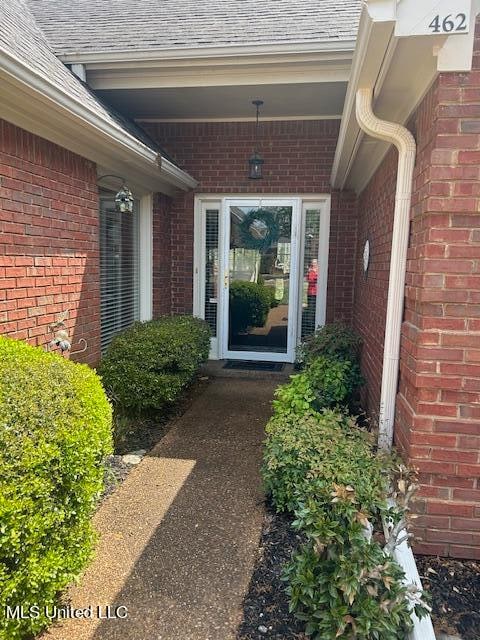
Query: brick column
[(438, 410)]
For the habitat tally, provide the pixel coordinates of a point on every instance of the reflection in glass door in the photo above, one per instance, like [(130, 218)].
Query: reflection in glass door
[(260, 291)]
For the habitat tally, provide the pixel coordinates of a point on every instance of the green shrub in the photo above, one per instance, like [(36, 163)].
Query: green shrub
[(341, 583), (324, 469), (323, 384), (335, 340), (250, 303), (307, 455), (55, 431), (146, 367)]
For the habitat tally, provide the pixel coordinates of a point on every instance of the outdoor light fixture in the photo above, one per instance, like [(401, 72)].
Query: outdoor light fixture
[(124, 198), (256, 162)]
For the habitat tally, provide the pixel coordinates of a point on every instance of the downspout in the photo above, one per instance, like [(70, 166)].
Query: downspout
[(405, 143)]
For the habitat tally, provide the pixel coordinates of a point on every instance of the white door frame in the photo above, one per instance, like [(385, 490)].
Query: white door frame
[(303, 202)]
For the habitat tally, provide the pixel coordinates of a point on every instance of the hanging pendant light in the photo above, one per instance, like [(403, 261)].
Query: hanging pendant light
[(256, 162)]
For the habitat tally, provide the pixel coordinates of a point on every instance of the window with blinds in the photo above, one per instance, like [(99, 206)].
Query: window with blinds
[(310, 272), (211, 269), (119, 270)]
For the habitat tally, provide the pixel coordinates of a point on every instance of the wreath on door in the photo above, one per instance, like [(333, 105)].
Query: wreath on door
[(259, 229)]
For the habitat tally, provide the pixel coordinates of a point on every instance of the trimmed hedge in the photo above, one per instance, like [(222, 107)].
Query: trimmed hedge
[(146, 367), (55, 431)]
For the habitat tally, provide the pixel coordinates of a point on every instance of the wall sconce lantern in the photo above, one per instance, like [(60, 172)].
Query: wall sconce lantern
[(256, 162), (124, 200)]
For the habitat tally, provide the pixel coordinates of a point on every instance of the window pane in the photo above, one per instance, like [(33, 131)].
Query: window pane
[(119, 274), (310, 271), (211, 269), (259, 276)]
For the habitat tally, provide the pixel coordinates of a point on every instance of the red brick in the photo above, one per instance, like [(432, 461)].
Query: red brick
[(69, 176), (450, 509)]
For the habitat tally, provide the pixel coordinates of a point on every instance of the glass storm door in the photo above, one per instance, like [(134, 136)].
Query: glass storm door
[(260, 290)]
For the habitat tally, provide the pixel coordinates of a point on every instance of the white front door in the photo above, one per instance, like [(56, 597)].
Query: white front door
[(260, 272), (259, 279)]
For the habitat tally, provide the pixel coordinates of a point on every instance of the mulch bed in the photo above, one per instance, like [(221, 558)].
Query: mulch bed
[(455, 589), (265, 608)]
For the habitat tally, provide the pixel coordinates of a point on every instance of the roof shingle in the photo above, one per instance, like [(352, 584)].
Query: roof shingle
[(85, 26), (21, 38)]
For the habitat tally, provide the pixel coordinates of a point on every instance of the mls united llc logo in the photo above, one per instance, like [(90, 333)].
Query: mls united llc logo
[(100, 612)]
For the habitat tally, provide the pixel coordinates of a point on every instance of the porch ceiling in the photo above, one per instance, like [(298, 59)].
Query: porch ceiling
[(306, 100)]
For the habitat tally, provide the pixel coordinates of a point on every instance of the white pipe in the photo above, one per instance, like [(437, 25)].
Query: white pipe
[(405, 143)]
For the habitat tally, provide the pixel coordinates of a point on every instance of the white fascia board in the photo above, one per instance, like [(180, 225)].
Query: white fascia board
[(32, 102), (219, 75), (374, 38), (234, 51)]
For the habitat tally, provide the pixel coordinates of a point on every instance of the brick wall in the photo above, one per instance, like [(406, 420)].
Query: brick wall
[(49, 253), (437, 421), (298, 159), (375, 223)]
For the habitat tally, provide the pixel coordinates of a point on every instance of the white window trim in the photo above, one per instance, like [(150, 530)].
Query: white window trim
[(145, 259), (206, 201)]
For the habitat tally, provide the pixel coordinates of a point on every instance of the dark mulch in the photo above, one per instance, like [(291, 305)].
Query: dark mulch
[(115, 473), (266, 603), (132, 434), (455, 589)]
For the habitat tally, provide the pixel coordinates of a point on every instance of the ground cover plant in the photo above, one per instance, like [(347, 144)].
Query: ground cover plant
[(55, 433), (323, 469), (148, 366)]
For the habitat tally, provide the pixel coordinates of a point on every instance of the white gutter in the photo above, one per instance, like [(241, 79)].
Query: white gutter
[(244, 50), (405, 143)]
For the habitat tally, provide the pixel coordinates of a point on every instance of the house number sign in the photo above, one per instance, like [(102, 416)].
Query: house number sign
[(431, 17)]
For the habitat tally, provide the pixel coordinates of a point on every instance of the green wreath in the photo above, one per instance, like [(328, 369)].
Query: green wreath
[(272, 232)]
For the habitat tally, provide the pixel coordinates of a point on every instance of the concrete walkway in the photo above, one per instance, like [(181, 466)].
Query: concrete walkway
[(179, 536)]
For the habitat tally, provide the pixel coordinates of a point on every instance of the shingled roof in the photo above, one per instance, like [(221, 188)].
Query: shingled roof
[(21, 38), (86, 26)]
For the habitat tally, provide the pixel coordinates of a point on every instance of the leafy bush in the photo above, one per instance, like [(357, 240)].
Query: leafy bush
[(324, 383), (250, 303), (55, 433), (335, 340), (323, 468), (307, 455), (341, 583), (146, 367)]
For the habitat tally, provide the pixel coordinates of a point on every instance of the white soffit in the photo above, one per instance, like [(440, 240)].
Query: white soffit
[(401, 70), (307, 100)]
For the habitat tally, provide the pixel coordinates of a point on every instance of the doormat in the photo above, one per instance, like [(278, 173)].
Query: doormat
[(250, 365)]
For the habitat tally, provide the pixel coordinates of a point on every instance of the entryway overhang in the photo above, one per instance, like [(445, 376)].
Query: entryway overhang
[(400, 68), (295, 80)]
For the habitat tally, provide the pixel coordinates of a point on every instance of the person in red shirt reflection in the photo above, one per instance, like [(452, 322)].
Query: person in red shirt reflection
[(312, 277)]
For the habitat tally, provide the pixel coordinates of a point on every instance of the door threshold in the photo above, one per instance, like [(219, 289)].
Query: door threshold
[(254, 365), (217, 369)]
